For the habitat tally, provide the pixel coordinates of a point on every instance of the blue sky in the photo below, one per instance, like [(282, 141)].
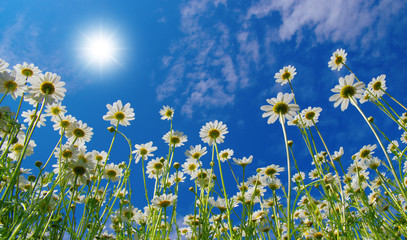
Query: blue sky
[(210, 59)]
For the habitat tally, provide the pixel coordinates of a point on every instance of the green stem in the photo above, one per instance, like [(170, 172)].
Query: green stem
[(289, 177)]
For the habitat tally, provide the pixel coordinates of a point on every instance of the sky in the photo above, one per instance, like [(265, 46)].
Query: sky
[(209, 60)]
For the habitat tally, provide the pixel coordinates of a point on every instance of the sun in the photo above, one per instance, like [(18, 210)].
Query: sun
[(100, 49)]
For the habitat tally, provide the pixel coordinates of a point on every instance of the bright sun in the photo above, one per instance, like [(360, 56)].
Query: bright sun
[(100, 49)]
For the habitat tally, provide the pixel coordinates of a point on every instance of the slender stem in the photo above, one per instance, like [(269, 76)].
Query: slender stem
[(383, 148), (289, 178), (224, 193), (401, 105)]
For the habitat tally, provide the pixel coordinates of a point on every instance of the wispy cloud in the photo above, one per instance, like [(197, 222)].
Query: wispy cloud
[(356, 22), (219, 58)]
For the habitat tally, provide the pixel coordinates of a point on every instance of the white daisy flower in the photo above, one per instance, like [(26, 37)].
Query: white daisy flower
[(175, 138), (63, 122), (285, 75), (79, 132), (377, 86), (164, 200), (345, 91), (32, 115), (112, 172), (3, 65), (167, 113), (196, 152), (310, 115), (280, 106), (226, 154), (337, 60), (144, 151), (119, 114), (26, 71), (244, 161), (11, 85), (213, 132), (55, 111), (48, 84)]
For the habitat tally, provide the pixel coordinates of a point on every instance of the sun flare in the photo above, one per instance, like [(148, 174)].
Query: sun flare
[(100, 49)]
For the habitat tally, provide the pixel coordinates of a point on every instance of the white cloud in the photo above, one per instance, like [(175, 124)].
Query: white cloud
[(357, 22)]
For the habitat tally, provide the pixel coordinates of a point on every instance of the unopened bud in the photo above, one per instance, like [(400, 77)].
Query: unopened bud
[(31, 178), (370, 119), (162, 160), (290, 143), (176, 165), (191, 189), (38, 164), (111, 129)]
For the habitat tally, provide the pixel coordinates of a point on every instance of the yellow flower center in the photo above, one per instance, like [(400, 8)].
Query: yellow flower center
[(164, 203), (365, 153), (310, 115), (158, 166), (175, 140), (143, 151), (47, 88), (79, 170), (119, 116), (286, 76), (192, 167), (280, 108), (196, 155), (111, 173), (214, 133), (10, 85), (78, 132), (338, 60), (67, 154), (377, 86), (27, 72), (65, 123), (347, 91)]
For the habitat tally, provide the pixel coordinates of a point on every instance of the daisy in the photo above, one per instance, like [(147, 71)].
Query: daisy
[(67, 152), (55, 110), (272, 170), (26, 71), (338, 154), (167, 113), (273, 183), (285, 75), (393, 146), (129, 213), (337, 60), (79, 132), (213, 132), (99, 157), (244, 161), (86, 157), (78, 171), (48, 84), (31, 115), (112, 172), (297, 120), (345, 91), (365, 152), (403, 138), (155, 168), (280, 106), (373, 163), (377, 86), (310, 115), (164, 200), (195, 152), (190, 166), (177, 177), (119, 114), (63, 122), (17, 148), (298, 177), (226, 154), (11, 85), (3, 65), (144, 151), (220, 203), (175, 139)]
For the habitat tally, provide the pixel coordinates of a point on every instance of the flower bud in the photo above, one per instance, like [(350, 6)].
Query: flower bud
[(111, 129), (38, 164), (176, 165)]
